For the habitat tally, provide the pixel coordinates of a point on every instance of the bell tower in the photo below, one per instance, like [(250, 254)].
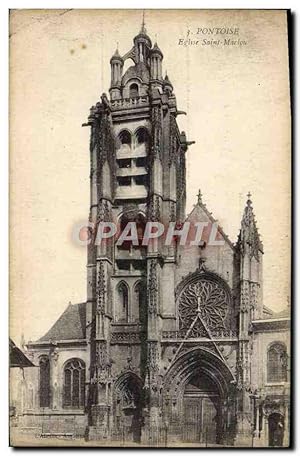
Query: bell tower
[(137, 175)]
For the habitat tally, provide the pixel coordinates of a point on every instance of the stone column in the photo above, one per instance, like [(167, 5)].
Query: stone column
[(100, 407), (256, 436), (54, 380), (244, 418), (154, 393), (263, 437), (286, 435)]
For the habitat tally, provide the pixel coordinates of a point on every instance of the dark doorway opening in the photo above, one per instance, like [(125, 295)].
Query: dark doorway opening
[(276, 430), (128, 409)]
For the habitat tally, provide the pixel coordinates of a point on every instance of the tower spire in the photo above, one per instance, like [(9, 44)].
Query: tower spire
[(249, 237), (199, 197), (143, 28), (249, 202)]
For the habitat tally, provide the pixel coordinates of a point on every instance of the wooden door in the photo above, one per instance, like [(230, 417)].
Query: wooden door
[(192, 420), (200, 420), (209, 421)]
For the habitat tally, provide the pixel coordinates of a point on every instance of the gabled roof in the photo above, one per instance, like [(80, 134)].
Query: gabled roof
[(16, 357), (203, 207), (69, 326)]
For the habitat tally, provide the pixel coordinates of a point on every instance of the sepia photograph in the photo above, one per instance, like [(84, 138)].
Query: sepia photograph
[(150, 228)]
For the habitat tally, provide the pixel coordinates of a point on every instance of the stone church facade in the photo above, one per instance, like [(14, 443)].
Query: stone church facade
[(173, 344)]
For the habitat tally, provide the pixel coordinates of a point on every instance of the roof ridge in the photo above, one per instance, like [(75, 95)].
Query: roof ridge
[(211, 218), (69, 325)]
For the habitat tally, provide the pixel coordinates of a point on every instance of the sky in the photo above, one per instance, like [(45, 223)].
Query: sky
[(238, 113)]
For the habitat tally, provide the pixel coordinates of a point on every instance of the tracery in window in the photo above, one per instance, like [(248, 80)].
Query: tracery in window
[(207, 298), (74, 383), (277, 363)]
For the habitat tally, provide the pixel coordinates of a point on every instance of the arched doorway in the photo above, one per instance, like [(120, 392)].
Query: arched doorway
[(201, 408), (199, 397), (276, 430), (127, 408)]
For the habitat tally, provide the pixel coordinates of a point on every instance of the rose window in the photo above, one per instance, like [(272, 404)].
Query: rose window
[(206, 298)]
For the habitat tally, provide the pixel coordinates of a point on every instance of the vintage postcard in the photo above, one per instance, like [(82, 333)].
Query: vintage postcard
[(150, 200)]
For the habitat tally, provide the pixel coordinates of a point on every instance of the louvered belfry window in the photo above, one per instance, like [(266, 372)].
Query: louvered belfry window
[(74, 384), (133, 91)]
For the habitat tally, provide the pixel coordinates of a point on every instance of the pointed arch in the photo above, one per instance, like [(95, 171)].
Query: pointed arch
[(125, 137), (131, 212), (128, 378), (133, 90), (199, 274), (122, 308), (128, 402), (74, 383), (277, 362), (141, 145), (139, 218), (142, 135), (193, 362)]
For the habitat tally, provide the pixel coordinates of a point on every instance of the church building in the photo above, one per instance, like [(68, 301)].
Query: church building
[(173, 344)]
